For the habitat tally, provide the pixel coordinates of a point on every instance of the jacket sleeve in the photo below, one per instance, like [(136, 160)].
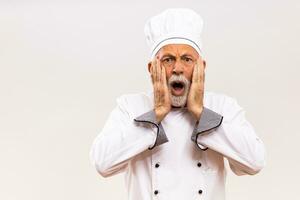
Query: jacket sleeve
[(150, 118), (120, 140), (233, 136)]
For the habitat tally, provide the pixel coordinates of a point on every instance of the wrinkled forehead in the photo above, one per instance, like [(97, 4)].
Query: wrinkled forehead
[(177, 50)]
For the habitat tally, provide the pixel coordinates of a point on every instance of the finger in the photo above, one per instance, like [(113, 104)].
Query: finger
[(155, 90), (195, 72), (156, 80), (154, 71), (151, 72), (201, 75), (164, 77), (157, 68), (159, 74), (159, 79), (201, 70)]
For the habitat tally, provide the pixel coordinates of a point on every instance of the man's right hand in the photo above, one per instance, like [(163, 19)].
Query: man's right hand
[(162, 100)]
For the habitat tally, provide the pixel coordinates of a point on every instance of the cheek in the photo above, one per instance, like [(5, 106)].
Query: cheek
[(168, 72), (189, 74)]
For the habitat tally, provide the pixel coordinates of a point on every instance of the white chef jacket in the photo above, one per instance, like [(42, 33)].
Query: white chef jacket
[(180, 158)]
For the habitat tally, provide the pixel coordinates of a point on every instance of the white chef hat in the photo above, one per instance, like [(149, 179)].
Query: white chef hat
[(174, 26)]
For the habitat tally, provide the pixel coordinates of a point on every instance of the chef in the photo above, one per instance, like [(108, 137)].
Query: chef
[(174, 142)]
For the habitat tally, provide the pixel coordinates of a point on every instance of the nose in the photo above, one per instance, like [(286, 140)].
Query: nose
[(178, 68)]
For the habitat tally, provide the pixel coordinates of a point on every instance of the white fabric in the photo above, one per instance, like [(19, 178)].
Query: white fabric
[(122, 146), (174, 26)]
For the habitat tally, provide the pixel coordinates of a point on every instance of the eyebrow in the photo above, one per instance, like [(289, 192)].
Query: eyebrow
[(168, 55), (187, 55), (172, 56)]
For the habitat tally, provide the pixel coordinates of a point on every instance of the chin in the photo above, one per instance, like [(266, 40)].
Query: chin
[(178, 101)]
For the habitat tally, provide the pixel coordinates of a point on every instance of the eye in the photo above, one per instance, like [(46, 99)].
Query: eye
[(168, 60), (186, 59)]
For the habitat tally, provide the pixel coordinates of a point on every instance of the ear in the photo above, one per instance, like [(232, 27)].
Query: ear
[(204, 64), (149, 66)]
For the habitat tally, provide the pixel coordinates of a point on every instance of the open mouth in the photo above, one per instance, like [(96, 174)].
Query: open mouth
[(177, 88)]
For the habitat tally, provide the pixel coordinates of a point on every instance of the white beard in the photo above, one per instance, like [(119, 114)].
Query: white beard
[(179, 101)]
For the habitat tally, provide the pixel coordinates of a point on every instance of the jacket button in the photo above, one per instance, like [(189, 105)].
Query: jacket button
[(156, 165), (200, 191), (156, 192), (199, 164)]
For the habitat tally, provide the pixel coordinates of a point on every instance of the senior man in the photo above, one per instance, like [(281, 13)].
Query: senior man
[(172, 143)]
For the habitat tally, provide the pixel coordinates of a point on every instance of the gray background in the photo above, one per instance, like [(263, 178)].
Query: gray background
[(63, 64)]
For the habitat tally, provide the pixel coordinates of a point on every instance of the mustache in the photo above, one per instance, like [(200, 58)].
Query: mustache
[(178, 78)]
